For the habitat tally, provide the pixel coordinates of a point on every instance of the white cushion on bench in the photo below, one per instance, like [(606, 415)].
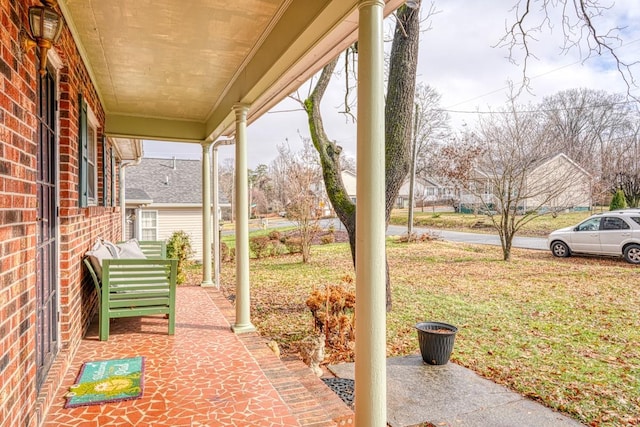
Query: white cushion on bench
[(97, 254), (130, 249)]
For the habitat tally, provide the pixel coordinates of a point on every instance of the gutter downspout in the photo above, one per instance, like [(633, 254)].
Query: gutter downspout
[(216, 207)]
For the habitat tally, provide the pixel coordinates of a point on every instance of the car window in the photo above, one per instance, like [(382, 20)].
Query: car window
[(591, 224), (636, 219), (614, 223)]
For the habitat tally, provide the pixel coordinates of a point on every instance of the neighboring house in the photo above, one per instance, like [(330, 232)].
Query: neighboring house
[(164, 196), (324, 205), (425, 191), (349, 181), (556, 183)]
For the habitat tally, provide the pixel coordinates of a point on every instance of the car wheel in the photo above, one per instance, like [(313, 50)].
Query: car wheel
[(560, 249), (632, 254)]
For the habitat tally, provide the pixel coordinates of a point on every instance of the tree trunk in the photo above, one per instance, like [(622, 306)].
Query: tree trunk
[(398, 120), (330, 158)]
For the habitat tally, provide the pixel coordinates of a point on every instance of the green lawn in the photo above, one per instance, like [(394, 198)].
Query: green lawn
[(565, 332)]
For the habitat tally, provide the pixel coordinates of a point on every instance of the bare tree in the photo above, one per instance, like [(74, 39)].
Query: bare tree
[(303, 176), (504, 170), (623, 168), (579, 25), (431, 128), (594, 128), (225, 182)]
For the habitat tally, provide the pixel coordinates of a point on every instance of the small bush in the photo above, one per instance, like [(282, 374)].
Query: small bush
[(327, 238), (293, 244), (279, 248), (179, 247), (226, 253), (333, 311), (261, 246), (618, 201), (275, 235)]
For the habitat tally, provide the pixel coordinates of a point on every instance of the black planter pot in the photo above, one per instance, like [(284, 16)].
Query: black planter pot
[(436, 341)]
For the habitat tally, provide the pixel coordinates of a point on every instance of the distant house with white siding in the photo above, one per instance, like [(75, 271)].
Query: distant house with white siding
[(163, 196), (552, 184), (426, 191)]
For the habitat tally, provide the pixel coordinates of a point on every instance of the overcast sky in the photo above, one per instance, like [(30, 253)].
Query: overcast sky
[(457, 58)]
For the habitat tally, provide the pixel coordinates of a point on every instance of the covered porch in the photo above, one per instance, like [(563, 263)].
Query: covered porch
[(204, 375), (193, 72)]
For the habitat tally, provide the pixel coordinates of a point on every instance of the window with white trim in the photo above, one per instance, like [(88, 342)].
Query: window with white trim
[(88, 155), (148, 225), (92, 165)]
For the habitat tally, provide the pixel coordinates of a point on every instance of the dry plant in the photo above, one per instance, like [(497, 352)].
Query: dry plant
[(333, 310)]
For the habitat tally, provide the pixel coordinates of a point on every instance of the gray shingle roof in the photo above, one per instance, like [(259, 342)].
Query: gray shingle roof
[(165, 183)]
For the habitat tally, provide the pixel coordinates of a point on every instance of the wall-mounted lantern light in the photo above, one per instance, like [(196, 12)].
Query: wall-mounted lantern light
[(46, 26)]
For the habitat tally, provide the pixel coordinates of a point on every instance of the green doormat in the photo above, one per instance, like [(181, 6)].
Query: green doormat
[(107, 381)]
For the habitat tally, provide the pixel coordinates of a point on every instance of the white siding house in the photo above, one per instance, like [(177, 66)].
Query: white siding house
[(164, 196)]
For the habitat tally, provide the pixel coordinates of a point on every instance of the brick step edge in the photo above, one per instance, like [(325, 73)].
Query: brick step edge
[(310, 400)]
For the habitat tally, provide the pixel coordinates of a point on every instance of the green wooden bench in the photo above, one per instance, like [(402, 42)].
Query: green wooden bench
[(136, 287)]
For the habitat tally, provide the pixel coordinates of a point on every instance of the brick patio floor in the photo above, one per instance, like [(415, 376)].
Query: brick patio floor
[(204, 375)]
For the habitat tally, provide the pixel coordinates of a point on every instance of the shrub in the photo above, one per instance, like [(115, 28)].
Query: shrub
[(261, 246), (226, 253), (618, 201), (327, 238), (179, 247), (333, 311), (293, 244), (275, 235), (278, 248)]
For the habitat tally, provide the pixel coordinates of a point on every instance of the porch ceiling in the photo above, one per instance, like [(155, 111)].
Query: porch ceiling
[(172, 70)]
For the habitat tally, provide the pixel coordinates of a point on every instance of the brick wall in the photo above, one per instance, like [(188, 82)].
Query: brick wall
[(20, 403)]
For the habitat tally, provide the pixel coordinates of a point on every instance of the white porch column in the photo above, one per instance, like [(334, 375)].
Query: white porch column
[(206, 215), (370, 351), (243, 321)]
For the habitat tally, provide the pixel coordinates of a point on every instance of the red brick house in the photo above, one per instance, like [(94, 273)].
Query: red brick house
[(122, 71)]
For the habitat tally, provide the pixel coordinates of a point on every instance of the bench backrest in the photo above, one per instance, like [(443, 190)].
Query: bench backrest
[(153, 249)]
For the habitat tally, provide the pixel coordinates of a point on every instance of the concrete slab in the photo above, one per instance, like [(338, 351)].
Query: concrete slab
[(451, 395)]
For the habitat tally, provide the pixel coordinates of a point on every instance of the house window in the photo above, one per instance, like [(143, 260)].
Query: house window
[(88, 150), (92, 177), (149, 225)]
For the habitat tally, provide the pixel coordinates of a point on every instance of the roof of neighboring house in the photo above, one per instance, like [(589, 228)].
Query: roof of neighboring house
[(169, 181), (136, 195)]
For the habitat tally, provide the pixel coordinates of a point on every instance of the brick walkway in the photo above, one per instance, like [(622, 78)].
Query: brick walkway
[(204, 375)]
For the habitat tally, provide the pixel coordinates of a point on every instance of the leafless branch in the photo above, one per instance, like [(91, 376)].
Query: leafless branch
[(579, 29)]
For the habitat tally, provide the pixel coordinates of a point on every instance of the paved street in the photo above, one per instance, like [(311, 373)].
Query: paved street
[(478, 238), (538, 243)]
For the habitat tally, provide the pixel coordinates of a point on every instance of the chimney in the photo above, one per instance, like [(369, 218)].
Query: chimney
[(174, 163)]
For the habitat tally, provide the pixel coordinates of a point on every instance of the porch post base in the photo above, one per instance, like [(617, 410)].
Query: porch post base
[(207, 284), (243, 328)]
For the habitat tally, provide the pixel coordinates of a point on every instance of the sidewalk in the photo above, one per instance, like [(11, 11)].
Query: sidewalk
[(452, 396)]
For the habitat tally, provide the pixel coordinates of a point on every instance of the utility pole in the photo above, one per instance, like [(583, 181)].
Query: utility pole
[(412, 174)]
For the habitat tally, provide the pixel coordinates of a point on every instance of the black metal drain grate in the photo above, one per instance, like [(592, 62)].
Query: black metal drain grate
[(343, 387)]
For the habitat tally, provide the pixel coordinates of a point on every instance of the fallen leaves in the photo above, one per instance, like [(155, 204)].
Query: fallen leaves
[(565, 332)]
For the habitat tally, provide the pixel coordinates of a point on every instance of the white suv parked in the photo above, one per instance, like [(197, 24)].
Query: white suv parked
[(614, 233)]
